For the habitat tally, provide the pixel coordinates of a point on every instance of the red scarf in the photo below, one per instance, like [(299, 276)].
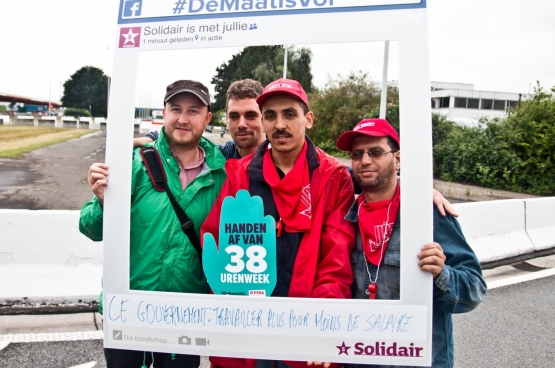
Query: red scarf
[(375, 222), (292, 193)]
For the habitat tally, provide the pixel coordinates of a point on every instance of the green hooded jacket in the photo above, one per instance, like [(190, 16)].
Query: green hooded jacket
[(161, 256)]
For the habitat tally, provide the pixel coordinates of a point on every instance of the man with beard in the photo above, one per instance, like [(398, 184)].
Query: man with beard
[(306, 191), (374, 148), (244, 121), (162, 257), (242, 118)]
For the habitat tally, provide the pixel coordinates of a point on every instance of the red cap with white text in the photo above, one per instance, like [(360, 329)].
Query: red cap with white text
[(284, 86), (370, 127)]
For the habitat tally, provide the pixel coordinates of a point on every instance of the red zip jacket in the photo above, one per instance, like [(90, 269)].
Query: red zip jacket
[(322, 268)]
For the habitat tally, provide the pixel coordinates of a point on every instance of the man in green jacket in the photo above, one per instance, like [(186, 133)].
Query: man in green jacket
[(162, 258)]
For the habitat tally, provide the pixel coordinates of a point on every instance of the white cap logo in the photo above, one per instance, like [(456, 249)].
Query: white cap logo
[(358, 127), (280, 85)]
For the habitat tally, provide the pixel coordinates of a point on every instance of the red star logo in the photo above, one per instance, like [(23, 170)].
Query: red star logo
[(343, 349)]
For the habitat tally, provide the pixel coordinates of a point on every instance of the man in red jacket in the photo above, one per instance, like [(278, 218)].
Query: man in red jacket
[(306, 191)]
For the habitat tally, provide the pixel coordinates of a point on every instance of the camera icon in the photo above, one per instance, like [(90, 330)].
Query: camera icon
[(184, 340)]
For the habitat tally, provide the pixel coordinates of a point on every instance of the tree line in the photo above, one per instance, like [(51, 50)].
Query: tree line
[(86, 92), (514, 153), (264, 64)]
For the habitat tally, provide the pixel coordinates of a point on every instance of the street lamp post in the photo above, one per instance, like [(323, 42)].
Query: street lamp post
[(285, 63), (108, 91), (383, 101), (50, 90)]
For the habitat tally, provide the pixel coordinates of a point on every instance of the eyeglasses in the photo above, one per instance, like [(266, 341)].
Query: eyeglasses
[(375, 153)]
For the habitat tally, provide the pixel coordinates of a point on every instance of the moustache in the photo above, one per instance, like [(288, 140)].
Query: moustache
[(364, 169), (282, 133)]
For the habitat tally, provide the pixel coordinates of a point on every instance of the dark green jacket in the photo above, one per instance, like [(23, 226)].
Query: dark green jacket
[(161, 256)]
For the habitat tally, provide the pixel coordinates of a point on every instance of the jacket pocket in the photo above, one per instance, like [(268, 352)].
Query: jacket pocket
[(392, 262), (360, 282)]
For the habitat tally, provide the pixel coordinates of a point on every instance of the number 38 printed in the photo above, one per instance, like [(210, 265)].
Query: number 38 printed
[(255, 263)]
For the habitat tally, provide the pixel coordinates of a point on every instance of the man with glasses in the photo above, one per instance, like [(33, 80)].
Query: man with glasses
[(244, 121), (374, 148)]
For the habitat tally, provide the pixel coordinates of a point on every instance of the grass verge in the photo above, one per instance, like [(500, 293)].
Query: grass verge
[(17, 140)]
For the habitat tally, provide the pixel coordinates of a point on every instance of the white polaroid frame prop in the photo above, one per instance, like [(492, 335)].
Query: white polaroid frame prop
[(357, 331)]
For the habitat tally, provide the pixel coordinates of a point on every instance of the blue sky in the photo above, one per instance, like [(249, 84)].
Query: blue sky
[(499, 45)]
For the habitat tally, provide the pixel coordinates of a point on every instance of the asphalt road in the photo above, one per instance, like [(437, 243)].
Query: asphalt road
[(513, 327), (53, 177), (56, 354)]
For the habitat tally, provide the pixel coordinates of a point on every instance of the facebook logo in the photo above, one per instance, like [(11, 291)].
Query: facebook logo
[(132, 8)]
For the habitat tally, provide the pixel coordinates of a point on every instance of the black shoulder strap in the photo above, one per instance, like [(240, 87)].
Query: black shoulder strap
[(153, 163)]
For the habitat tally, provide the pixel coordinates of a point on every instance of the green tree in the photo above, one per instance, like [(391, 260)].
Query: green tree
[(530, 129), (265, 64), (391, 109), (218, 118), (342, 103), (87, 89), (71, 111), (480, 155), (513, 153)]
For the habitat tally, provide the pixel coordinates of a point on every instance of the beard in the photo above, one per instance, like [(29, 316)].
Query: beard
[(383, 180), (245, 141), (175, 141)]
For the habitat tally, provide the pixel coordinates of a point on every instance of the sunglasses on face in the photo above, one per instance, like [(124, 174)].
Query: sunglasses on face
[(373, 153)]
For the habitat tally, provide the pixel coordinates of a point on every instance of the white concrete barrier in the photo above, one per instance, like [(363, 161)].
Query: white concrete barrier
[(156, 126), (540, 222), (46, 121), (96, 123), (85, 122), (145, 126), (69, 122), (5, 119), (27, 120), (44, 257), (496, 229)]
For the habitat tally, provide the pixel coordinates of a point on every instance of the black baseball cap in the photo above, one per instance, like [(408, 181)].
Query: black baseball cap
[(188, 86)]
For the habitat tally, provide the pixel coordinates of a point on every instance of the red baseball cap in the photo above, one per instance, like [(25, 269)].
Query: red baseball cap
[(285, 86), (370, 127)]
